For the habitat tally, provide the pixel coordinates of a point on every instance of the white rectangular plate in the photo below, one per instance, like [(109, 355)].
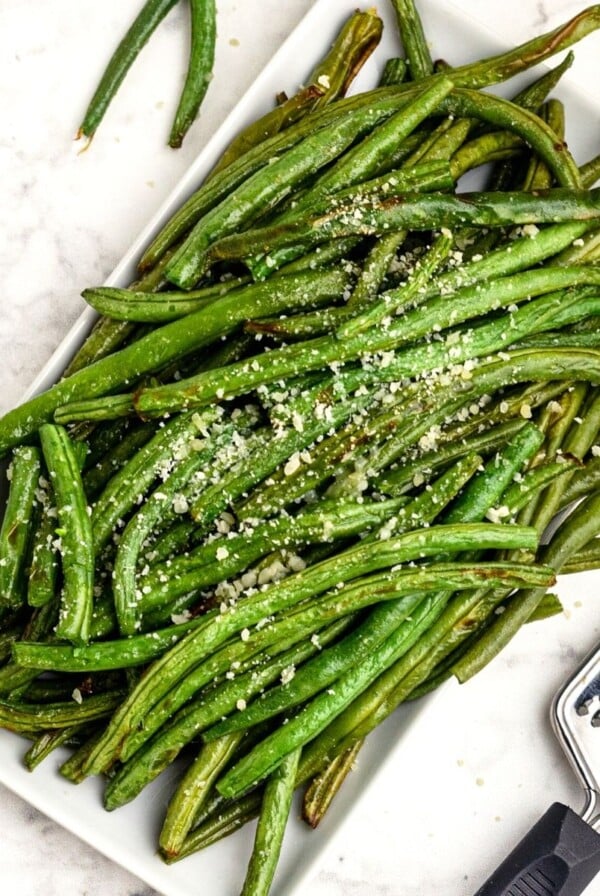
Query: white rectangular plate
[(129, 835)]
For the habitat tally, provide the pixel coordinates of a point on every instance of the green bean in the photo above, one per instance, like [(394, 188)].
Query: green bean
[(43, 569), (76, 543), (580, 250), (520, 493), (221, 824), (128, 601), (33, 718), (467, 620), (102, 440), (17, 526), (193, 790), (489, 147), (394, 72), (549, 606), (552, 338), (375, 267), (356, 41), (506, 259), (446, 143), (371, 156), (538, 176), (488, 71), (131, 305), (274, 811), (323, 462), (511, 406), (173, 540), (40, 625), (49, 741), (105, 337), (466, 345), (586, 479), (71, 767), (50, 689), (579, 440), (428, 141), (512, 256), (452, 626), (138, 33), (299, 625), (103, 656), (517, 119), (108, 335), (462, 102), (413, 39), (8, 636), (452, 396), (428, 505), (556, 422), (323, 788), (203, 15), (329, 253), (590, 171), (388, 453), (459, 640), (109, 408), (295, 629), (479, 498), (397, 384), (213, 191), (587, 557), (339, 456)]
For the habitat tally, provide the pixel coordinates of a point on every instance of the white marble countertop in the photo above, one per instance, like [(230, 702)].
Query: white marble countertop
[(481, 764)]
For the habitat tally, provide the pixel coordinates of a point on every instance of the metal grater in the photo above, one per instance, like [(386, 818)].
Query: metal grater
[(561, 852), (575, 715)]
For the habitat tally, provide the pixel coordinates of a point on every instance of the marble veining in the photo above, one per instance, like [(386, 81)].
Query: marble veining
[(465, 788)]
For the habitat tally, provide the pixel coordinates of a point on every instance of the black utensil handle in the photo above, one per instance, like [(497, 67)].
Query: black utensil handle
[(559, 855)]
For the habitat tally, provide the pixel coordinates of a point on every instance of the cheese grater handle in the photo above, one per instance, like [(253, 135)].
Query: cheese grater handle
[(559, 855)]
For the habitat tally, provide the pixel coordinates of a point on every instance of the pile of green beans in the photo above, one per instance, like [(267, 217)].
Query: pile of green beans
[(331, 448)]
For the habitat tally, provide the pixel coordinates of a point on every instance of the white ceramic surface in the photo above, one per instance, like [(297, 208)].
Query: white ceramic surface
[(474, 768)]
